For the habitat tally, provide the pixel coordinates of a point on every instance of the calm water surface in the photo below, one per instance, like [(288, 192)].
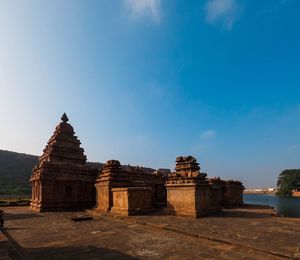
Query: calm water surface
[(286, 206)]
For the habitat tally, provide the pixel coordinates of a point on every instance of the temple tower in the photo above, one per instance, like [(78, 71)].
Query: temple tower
[(61, 180), (188, 192)]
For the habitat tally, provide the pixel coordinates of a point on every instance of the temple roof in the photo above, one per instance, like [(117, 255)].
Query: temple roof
[(64, 146)]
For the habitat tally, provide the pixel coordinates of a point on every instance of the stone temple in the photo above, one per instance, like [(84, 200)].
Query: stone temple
[(63, 180)]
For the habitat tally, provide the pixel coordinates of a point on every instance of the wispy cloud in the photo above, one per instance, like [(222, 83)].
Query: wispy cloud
[(140, 8), (224, 12), (209, 134)]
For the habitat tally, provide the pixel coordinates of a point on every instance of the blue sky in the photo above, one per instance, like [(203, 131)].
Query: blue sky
[(145, 81)]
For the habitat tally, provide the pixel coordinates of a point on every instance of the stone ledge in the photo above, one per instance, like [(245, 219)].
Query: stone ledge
[(131, 188)]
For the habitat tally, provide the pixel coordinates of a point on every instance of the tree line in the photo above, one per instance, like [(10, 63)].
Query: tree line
[(288, 181)]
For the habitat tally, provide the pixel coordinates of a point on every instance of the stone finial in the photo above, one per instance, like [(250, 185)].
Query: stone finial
[(64, 118), (187, 166), (189, 159), (111, 163)]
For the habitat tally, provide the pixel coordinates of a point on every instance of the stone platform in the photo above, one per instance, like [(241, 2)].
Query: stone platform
[(244, 233)]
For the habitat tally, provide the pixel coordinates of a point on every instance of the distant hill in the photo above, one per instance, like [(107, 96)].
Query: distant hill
[(16, 169)]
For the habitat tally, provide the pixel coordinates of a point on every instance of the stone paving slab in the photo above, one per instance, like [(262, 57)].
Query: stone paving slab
[(4, 247), (56, 236), (247, 227), (7, 251)]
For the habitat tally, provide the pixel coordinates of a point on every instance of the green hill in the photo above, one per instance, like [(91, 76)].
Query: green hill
[(15, 171)]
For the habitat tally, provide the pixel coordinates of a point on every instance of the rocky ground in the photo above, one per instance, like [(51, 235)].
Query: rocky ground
[(244, 233)]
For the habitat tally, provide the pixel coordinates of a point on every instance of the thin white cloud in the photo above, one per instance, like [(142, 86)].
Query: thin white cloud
[(209, 134), (224, 12), (140, 8)]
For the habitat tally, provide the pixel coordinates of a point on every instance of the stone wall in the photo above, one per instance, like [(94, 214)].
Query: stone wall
[(114, 175), (131, 200)]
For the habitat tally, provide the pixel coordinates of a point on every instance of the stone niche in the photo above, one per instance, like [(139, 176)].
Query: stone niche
[(188, 192), (131, 201), (62, 180)]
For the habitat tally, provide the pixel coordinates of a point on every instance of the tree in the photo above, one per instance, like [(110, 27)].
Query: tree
[(287, 181)]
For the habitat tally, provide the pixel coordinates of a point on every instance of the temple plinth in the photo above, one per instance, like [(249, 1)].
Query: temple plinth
[(61, 180)]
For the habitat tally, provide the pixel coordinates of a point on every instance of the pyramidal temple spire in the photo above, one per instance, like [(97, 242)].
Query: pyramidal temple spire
[(64, 118), (61, 180)]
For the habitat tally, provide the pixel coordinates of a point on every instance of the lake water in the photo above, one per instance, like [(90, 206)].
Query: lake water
[(286, 206)]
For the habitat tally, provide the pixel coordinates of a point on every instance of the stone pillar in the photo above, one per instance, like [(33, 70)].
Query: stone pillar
[(104, 195), (33, 194)]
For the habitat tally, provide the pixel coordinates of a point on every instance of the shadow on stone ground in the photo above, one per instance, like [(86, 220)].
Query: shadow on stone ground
[(16, 252), (86, 252), (10, 229), (8, 216), (240, 214), (259, 211)]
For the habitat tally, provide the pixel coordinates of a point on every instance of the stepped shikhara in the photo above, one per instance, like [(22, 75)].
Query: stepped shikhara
[(61, 180)]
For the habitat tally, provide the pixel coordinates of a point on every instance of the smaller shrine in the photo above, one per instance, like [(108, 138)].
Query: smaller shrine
[(187, 189), (129, 190), (190, 193)]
